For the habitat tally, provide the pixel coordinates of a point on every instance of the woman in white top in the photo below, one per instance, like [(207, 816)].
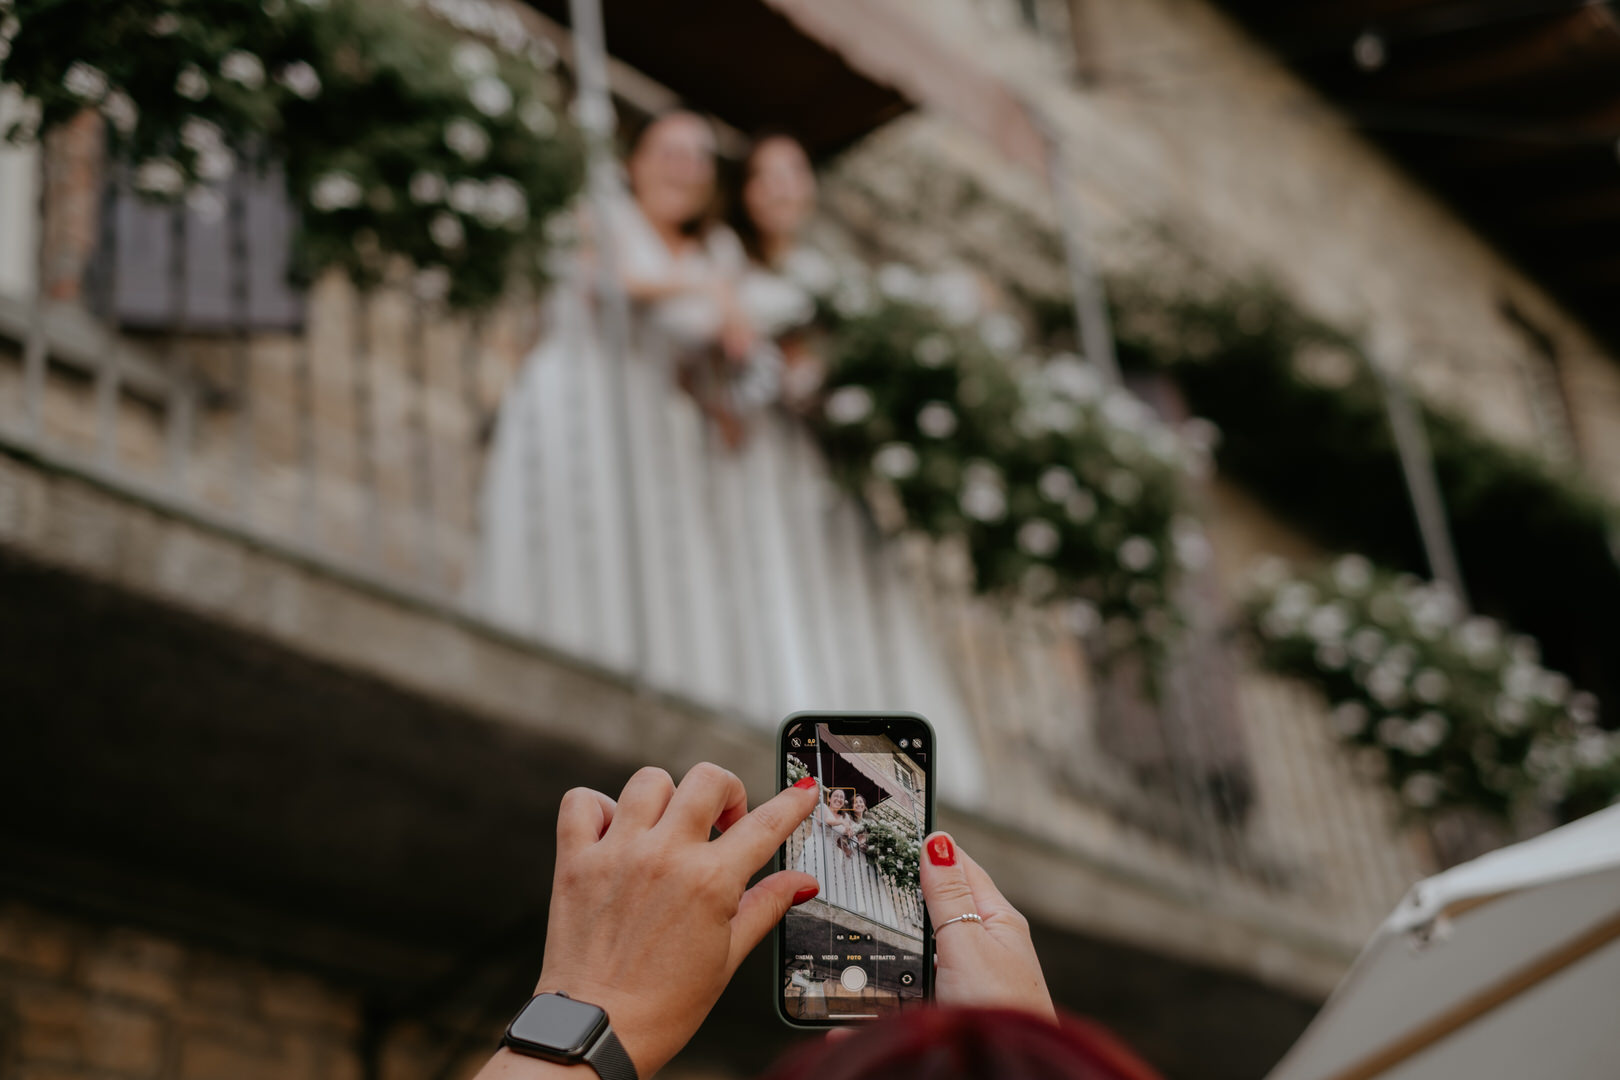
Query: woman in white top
[(580, 547)]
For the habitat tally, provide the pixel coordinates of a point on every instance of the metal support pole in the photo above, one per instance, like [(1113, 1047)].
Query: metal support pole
[(1417, 464), (594, 108), (1092, 327)]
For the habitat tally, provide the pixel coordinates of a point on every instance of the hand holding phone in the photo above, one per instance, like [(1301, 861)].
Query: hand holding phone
[(861, 949), (989, 963), (649, 916)]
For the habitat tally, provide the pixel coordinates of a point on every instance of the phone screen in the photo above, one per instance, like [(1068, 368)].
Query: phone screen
[(861, 949)]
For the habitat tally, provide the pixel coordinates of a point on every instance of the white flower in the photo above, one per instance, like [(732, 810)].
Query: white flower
[(1366, 644), (1123, 487), (1081, 507), (1353, 574), (1001, 333), (1431, 686), (895, 460), (9, 27), (538, 118), (301, 80), (899, 282), (446, 230), (503, 204), (1425, 734), (1332, 656), (201, 135), (120, 111), (1073, 378), (1387, 685), (1349, 719), (933, 351), (1082, 618), (466, 139), (490, 96), (1268, 573), (1508, 715), (1192, 546), (955, 295), (1039, 538), (471, 60), (1595, 749), (1294, 601), (1391, 732), (243, 68), (1551, 688), (85, 82), (1124, 411), (1479, 638), (848, 405), (1056, 484), (431, 284), (1422, 790), (937, 420), (983, 497), (159, 176), (1519, 681), (1137, 553), (427, 188), (810, 270), (215, 164), (335, 191), (165, 25), (852, 299), (466, 196), (191, 83), (207, 204), (1583, 708)]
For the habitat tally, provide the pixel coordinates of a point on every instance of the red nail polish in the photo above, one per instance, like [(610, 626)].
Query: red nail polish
[(805, 782), (941, 852), (806, 893)]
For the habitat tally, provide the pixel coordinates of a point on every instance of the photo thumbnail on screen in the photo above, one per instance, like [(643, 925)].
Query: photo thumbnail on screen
[(856, 951)]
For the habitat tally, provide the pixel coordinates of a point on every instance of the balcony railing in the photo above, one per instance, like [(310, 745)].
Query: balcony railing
[(355, 432)]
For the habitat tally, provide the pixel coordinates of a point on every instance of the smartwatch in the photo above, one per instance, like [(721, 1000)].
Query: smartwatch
[(557, 1028)]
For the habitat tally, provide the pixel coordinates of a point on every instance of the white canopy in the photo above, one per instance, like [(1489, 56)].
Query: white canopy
[(1507, 966)]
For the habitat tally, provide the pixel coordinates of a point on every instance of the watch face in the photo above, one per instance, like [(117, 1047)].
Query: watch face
[(561, 1025)]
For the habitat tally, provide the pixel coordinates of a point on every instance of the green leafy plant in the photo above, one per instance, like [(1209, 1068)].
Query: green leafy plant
[(1304, 428), (399, 139), (1062, 490), (895, 851), (1454, 710)]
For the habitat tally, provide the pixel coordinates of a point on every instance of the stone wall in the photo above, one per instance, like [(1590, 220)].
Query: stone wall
[(1189, 133), (83, 1000)]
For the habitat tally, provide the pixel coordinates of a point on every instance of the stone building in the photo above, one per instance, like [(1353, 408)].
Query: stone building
[(276, 802)]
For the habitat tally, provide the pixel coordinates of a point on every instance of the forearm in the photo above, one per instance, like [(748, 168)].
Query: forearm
[(506, 1065)]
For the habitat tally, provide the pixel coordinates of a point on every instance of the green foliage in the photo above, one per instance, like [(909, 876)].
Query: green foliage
[(895, 851), (1455, 711), (398, 140), (1062, 490), (1303, 427)]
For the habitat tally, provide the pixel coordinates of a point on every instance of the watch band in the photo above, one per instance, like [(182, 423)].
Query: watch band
[(609, 1060)]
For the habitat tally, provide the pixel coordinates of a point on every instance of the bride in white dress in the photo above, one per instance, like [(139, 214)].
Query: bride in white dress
[(568, 552), (695, 539)]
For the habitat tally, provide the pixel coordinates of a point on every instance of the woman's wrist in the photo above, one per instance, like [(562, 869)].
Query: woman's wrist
[(509, 1065)]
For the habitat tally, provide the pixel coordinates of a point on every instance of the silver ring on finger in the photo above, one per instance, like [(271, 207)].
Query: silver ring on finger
[(972, 916)]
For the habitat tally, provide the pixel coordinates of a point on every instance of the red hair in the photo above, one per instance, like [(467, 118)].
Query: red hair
[(967, 1044)]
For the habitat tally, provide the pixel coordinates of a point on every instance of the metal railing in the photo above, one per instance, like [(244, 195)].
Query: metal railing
[(423, 450)]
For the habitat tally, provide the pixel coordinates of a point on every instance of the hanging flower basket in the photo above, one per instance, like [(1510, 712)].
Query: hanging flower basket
[(1455, 711), (1063, 490), (400, 139)]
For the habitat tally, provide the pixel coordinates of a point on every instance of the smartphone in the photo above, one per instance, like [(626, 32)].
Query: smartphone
[(863, 948)]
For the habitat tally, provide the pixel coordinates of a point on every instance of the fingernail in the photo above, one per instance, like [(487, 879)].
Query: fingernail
[(941, 852), (805, 782), (806, 893)]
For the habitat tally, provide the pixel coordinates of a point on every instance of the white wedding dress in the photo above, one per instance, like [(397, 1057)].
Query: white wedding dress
[(618, 529)]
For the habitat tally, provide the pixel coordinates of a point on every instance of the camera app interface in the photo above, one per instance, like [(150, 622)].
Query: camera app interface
[(855, 952)]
